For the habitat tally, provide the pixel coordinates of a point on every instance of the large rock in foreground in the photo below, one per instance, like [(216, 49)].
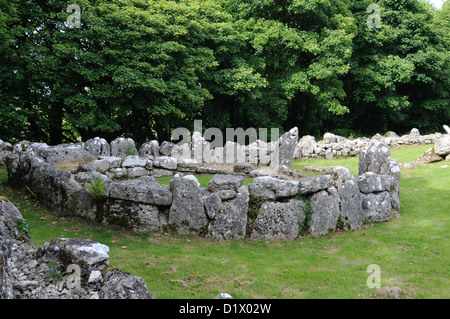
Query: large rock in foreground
[(65, 268)]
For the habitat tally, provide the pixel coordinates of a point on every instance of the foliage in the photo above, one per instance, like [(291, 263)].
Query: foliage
[(97, 190), (254, 206), (54, 275), (400, 72), (24, 230), (142, 68), (304, 225)]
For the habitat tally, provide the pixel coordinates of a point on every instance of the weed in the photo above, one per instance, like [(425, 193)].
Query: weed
[(131, 151), (54, 275), (97, 190), (254, 207), (304, 225), (24, 231)]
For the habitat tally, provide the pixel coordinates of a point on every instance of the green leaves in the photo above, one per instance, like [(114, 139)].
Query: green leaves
[(142, 68)]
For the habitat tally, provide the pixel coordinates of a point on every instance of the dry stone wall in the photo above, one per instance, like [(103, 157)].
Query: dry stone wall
[(280, 206), (333, 146)]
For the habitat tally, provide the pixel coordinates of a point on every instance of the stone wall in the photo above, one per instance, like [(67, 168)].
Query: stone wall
[(65, 268), (333, 146), (272, 207)]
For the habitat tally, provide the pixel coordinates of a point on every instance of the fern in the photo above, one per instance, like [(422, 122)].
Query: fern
[(97, 190)]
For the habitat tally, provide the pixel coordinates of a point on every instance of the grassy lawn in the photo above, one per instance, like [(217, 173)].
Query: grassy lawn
[(412, 251)]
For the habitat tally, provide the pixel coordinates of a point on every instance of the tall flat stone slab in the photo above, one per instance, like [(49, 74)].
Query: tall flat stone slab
[(351, 213), (230, 221), (375, 159), (97, 147), (278, 220), (187, 213), (325, 211), (284, 150), (394, 172), (122, 147)]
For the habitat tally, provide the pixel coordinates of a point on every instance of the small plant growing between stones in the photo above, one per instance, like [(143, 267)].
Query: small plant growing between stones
[(254, 207), (304, 225), (97, 191), (54, 275), (24, 231), (340, 225), (131, 151), (34, 189)]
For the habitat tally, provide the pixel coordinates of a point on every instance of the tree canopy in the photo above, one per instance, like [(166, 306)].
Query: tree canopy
[(140, 68)]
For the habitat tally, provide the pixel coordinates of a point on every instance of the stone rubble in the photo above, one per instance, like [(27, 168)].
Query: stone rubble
[(65, 268)]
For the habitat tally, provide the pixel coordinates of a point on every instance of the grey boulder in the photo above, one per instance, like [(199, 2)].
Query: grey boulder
[(278, 220), (187, 214), (143, 190)]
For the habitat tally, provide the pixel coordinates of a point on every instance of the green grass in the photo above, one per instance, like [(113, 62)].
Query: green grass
[(403, 154), (203, 179), (412, 251)]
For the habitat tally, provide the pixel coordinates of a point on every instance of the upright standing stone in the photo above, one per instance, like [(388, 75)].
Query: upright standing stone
[(149, 149), (97, 147), (230, 221), (324, 211), (377, 159), (187, 213), (351, 214), (278, 220), (284, 150), (122, 147)]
